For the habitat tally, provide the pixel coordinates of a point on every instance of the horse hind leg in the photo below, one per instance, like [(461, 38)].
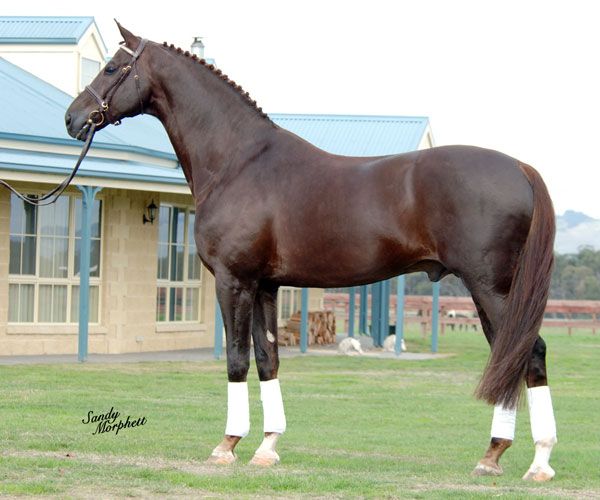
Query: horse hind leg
[(541, 415), (543, 426), (503, 420), (264, 334)]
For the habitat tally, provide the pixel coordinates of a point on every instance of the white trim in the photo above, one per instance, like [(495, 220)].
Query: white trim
[(95, 152), (427, 141), (70, 329), (154, 187), (180, 326)]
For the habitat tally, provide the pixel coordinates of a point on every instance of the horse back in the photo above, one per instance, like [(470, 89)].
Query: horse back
[(326, 220)]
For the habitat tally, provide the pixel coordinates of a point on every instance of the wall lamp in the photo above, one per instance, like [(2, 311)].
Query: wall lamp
[(150, 213)]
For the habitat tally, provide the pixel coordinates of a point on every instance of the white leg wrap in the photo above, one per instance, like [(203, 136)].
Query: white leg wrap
[(503, 423), (541, 414), (543, 431), (272, 402), (238, 409)]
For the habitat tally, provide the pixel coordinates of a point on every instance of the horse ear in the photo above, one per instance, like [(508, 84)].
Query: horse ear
[(127, 35)]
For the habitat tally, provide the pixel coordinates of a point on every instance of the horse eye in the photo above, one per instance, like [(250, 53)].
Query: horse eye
[(110, 69)]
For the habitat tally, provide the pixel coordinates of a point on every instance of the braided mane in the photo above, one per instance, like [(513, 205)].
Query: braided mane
[(218, 73)]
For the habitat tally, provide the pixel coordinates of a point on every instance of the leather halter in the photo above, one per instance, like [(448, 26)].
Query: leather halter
[(99, 115)]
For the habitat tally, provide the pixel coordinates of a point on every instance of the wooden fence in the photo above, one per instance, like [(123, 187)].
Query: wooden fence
[(567, 314)]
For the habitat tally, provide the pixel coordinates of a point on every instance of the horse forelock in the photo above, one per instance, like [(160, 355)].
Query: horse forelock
[(219, 74)]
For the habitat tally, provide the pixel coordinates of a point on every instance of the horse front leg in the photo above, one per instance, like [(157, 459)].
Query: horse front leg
[(264, 334), (236, 300)]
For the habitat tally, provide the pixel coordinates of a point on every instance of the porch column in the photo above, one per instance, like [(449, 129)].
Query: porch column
[(218, 331), (362, 316), (401, 282), (351, 308), (435, 316), (88, 193), (304, 321)]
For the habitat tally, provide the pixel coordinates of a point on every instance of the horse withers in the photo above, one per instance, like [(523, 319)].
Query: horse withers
[(273, 210)]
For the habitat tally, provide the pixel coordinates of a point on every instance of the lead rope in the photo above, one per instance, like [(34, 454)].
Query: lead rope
[(52, 195)]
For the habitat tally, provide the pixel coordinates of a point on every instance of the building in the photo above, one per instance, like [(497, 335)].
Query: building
[(148, 290), (66, 52)]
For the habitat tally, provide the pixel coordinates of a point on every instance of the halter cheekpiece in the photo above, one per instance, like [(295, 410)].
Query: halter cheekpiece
[(101, 114)]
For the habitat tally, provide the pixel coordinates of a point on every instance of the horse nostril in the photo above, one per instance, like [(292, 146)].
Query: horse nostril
[(68, 119)]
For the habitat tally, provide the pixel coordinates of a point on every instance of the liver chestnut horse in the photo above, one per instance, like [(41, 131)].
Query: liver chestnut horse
[(272, 210)]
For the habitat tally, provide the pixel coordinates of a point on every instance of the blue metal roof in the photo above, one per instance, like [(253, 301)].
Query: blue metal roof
[(43, 30), (357, 135), (34, 110)]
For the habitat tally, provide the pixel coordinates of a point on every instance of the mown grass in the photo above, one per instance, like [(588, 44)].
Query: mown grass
[(357, 427)]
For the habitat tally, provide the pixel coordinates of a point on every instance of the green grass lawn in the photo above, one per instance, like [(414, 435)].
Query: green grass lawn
[(356, 428)]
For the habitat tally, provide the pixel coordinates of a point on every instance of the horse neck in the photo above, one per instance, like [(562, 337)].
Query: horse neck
[(211, 127)]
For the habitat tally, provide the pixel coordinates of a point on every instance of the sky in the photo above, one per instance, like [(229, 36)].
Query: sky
[(521, 77)]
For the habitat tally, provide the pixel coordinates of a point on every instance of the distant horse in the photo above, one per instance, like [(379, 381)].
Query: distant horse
[(460, 314), (273, 210)]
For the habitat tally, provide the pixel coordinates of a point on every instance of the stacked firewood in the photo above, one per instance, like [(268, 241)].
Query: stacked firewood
[(321, 329)]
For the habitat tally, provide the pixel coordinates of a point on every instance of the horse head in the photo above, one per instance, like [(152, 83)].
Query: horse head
[(116, 92)]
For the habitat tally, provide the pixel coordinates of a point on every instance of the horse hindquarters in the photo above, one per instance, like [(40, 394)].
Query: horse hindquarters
[(523, 311), (511, 324)]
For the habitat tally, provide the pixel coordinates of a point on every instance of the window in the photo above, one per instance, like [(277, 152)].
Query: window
[(44, 261), (289, 301), (89, 70), (179, 269)]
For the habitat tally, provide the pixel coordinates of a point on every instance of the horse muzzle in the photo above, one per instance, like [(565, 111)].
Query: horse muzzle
[(96, 117)]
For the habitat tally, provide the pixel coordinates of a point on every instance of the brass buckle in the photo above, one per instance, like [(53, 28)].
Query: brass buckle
[(96, 113)]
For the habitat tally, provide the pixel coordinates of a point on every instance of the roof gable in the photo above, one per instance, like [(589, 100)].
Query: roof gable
[(43, 30)]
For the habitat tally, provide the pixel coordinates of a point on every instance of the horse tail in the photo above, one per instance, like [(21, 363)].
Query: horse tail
[(502, 380)]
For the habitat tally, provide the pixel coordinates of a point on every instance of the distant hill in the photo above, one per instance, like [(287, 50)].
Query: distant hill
[(574, 230)]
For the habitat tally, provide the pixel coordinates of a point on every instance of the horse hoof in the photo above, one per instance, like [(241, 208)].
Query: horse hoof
[(221, 458), (487, 470), (265, 459), (539, 474)]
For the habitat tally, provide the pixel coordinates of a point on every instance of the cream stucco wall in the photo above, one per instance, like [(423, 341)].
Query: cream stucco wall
[(128, 288), (129, 280), (57, 65)]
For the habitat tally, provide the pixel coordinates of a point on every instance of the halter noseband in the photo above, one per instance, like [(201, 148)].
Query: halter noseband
[(98, 116)]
